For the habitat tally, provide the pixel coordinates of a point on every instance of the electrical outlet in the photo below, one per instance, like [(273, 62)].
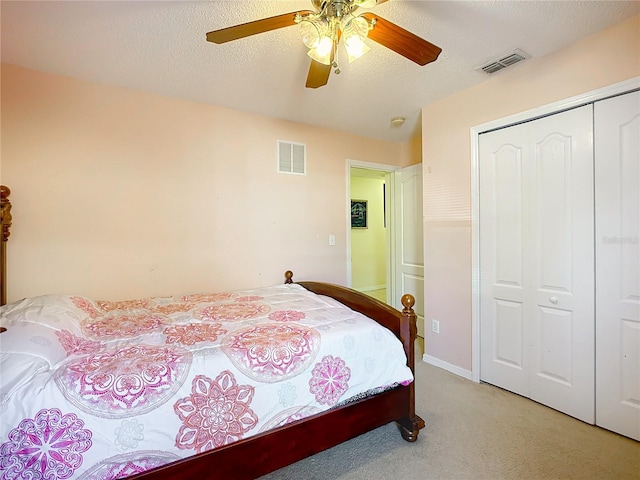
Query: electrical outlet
[(435, 326)]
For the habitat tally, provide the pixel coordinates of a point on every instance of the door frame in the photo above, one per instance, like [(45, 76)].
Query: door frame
[(538, 112), (389, 193)]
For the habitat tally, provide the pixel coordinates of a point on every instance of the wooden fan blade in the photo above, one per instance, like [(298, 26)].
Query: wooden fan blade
[(318, 74), (258, 26), (401, 41)]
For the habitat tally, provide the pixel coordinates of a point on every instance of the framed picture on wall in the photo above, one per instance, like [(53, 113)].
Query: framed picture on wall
[(358, 214)]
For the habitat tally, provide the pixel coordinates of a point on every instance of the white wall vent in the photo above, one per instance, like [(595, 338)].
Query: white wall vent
[(292, 158), (505, 61)]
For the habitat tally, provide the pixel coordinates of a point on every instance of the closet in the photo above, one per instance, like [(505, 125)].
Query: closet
[(559, 262)]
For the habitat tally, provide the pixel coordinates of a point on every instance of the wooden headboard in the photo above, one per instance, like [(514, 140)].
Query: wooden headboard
[(5, 222)]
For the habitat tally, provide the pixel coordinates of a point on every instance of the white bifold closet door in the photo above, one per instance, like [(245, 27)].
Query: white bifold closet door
[(617, 167), (537, 260)]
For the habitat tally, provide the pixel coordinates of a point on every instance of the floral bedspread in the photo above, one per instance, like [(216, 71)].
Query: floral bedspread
[(103, 390)]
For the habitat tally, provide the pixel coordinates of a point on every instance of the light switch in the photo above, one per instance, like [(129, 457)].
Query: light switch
[(332, 240)]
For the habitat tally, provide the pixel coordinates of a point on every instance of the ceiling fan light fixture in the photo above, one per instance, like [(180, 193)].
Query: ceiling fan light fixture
[(312, 30), (354, 26), (354, 31), (355, 48), (322, 52)]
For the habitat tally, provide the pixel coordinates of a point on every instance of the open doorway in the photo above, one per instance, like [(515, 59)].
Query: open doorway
[(370, 233), (402, 252)]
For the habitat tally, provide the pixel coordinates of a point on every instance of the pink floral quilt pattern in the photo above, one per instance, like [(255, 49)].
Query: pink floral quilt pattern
[(329, 380), (48, 446), (272, 352), (123, 382), (217, 412), (136, 384)]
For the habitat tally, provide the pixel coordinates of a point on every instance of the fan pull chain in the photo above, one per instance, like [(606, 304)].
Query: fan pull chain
[(334, 56)]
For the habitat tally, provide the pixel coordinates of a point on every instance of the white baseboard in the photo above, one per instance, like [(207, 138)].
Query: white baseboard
[(436, 362)]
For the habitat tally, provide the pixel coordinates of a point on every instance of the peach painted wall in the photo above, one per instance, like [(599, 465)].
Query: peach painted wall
[(121, 194), (605, 58)]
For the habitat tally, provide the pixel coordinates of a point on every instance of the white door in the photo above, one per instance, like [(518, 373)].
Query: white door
[(504, 231), (537, 261), (617, 167), (408, 240)]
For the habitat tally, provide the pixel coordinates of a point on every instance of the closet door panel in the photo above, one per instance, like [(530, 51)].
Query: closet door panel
[(617, 166), (561, 262), (555, 360), (504, 357), (508, 327)]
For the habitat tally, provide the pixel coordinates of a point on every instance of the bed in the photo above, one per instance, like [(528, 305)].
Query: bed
[(108, 381)]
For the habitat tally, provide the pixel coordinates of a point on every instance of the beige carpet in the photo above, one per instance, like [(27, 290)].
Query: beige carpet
[(476, 431)]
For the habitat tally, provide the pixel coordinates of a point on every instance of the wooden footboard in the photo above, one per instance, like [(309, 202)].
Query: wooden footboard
[(404, 326), (269, 451)]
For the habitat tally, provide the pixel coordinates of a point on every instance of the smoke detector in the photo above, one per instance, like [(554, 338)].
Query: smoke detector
[(397, 121), (505, 61)]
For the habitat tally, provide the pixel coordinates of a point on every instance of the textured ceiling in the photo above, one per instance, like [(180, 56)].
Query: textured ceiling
[(160, 47)]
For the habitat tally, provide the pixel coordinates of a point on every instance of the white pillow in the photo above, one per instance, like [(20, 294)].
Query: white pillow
[(32, 325), (17, 369), (37, 341), (57, 311)]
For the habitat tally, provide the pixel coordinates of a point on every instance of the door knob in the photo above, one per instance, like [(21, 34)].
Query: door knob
[(553, 300)]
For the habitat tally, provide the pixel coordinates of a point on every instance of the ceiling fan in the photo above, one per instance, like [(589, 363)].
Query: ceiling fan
[(333, 22)]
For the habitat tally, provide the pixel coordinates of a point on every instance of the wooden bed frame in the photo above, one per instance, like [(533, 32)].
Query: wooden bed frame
[(266, 452)]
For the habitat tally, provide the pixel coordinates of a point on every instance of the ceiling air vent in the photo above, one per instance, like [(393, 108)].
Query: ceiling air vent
[(504, 62), (292, 158)]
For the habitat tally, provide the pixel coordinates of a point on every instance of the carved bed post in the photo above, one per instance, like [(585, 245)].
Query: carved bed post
[(410, 426), (5, 221)]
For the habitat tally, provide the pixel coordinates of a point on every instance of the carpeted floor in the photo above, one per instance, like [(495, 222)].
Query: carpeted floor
[(476, 431)]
